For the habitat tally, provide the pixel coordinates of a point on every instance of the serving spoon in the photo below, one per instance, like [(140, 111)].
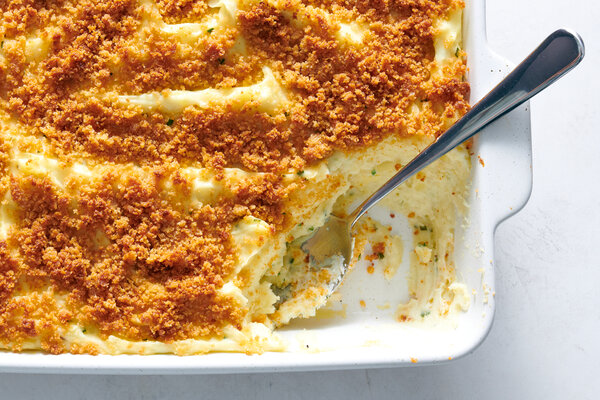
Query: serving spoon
[(332, 244)]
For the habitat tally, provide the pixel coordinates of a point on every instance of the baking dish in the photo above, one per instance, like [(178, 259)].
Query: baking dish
[(370, 337)]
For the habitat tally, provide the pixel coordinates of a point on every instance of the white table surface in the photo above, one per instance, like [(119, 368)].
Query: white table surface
[(545, 342)]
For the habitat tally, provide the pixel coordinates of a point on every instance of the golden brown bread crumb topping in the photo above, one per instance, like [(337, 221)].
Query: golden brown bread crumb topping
[(130, 261)]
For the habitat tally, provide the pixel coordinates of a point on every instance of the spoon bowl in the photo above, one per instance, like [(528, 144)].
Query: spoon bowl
[(331, 247)]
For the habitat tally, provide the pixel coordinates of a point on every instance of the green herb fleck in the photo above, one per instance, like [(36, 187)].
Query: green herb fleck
[(425, 313), (287, 114), (83, 330), (422, 244), (221, 61), (312, 228), (300, 173), (380, 255), (424, 100), (291, 260), (359, 257), (456, 52), (301, 223), (2, 44), (423, 227), (209, 30), (435, 258), (170, 122), (373, 172)]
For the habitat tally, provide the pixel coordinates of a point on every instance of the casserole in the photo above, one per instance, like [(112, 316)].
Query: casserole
[(370, 337)]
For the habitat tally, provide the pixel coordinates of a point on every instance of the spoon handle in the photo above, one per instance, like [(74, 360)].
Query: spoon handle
[(558, 54)]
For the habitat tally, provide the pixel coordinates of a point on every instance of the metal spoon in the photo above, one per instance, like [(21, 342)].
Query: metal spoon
[(331, 245)]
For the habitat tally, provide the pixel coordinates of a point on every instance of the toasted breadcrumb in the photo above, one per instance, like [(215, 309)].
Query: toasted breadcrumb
[(128, 260)]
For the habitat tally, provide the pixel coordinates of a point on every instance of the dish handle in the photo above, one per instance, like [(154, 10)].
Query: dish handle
[(504, 159)]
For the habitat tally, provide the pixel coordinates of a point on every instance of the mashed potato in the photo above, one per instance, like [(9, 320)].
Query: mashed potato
[(162, 161)]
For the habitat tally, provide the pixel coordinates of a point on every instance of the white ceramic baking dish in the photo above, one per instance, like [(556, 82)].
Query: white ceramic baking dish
[(370, 337)]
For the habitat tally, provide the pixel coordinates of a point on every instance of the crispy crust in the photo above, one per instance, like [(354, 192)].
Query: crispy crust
[(156, 271)]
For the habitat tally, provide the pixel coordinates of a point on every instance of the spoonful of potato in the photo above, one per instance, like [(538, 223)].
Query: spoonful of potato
[(331, 246)]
